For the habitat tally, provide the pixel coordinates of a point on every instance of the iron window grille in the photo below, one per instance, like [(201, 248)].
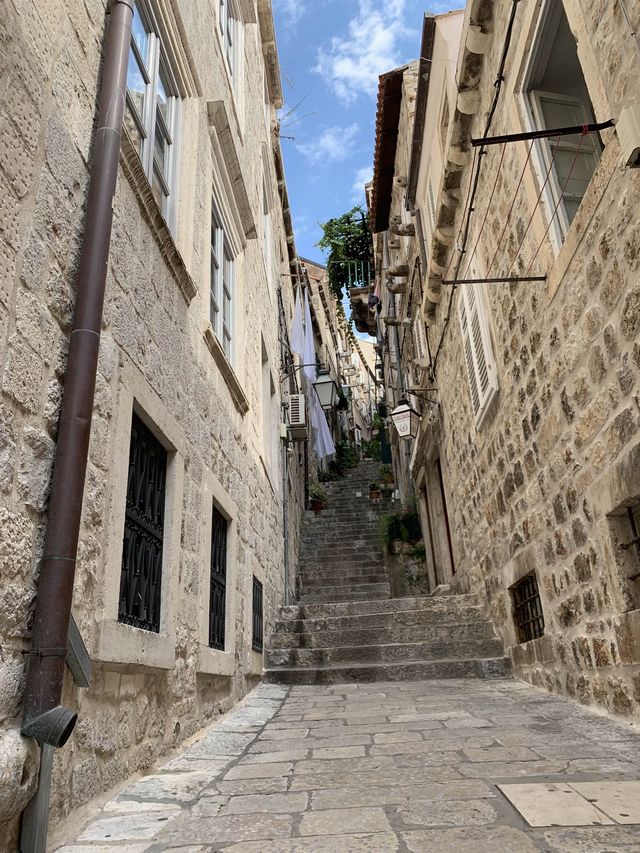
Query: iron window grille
[(257, 618), (142, 551), (218, 585), (527, 609)]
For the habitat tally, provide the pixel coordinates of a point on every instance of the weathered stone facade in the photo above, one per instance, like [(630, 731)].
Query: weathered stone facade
[(157, 353), (542, 481)]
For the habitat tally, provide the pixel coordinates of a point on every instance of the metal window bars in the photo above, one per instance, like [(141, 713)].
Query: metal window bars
[(257, 623), (142, 551), (527, 609), (218, 580)]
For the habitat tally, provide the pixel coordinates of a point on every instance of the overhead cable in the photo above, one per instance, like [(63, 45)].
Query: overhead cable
[(467, 223)]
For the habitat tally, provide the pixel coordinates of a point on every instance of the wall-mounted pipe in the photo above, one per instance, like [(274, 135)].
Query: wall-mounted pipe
[(45, 719)]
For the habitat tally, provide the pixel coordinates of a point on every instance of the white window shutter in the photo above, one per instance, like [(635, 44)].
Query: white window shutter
[(420, 341), (481, 366)]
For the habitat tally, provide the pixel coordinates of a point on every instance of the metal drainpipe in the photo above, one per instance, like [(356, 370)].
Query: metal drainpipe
[(45, 719)]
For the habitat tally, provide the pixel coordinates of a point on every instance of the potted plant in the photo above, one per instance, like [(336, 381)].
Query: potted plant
[(386, 474), (317, 498), (374, 492)]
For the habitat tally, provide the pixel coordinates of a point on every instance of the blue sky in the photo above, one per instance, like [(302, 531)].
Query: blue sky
[(331, 53)]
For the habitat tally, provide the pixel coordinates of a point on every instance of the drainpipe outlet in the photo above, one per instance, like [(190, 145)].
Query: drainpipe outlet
[(53, 727)]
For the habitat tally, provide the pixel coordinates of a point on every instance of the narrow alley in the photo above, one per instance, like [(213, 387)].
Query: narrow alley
[(368, 738), (319, 426), (413, 766)]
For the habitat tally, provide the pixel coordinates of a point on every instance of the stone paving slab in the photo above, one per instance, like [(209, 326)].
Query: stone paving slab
[(381, 768)]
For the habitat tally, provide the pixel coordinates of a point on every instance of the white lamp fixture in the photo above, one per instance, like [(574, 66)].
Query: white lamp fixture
[(406, 420), (326, 389)]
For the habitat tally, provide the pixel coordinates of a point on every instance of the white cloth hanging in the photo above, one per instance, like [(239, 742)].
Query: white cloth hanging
[(302, 344)]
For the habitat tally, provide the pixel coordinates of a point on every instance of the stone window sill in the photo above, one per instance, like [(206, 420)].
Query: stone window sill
[(120, 643), (228, 373), (214, 662), (132, 167), (255, 664)]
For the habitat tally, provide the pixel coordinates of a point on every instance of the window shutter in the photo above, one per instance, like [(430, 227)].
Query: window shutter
[(481, 368), (420, 341)]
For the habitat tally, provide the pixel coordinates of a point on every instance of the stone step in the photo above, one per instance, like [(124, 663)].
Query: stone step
[(499, 667), (384, 653), (417, 620), (340, 569), (381, 592), (345, 545), (438, 605), (391, 632), (319, 580), (340, 562)]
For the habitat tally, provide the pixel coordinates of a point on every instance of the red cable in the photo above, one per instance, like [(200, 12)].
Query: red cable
[(536, 205), (562, 191), (508, 219), (495, 184)]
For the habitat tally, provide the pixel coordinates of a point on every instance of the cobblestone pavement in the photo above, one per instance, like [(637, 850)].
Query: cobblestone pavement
[(384, 767)]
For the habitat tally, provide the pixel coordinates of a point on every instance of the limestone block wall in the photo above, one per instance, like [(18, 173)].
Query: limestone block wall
[(539, 485), (148, 691)]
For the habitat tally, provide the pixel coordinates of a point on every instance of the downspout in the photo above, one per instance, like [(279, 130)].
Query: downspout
[(45, 719)]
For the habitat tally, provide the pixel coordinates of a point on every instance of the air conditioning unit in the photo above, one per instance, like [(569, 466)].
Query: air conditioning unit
[(298, 430)]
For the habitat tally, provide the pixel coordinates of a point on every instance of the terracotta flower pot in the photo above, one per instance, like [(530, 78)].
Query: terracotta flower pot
[(317, 506)]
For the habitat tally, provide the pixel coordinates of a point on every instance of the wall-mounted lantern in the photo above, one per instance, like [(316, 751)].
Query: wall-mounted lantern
[(406, 420), (326, 389)]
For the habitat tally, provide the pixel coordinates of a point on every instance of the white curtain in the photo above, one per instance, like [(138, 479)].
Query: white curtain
[(303, 345)]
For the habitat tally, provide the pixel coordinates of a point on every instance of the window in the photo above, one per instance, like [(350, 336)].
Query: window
[(267, 102), (481, 368), (270, 415), (266, 235), (257, 617), (420, 345), (141, 571), (444, 120), (556, 95), (624, 527), (431, 209), (527, 609), (229, 32), (218, 583), (152, 109), (221, 286)]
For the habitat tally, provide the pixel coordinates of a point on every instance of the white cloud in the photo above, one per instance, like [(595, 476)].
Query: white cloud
[(333, 145), (352, 65), (291, 11), (361, 177)]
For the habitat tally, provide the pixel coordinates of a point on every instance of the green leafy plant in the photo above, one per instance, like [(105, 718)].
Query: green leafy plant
[(372, 449), (328, 476), (386, 473), (317, 493), (403, 526), (345, 238)]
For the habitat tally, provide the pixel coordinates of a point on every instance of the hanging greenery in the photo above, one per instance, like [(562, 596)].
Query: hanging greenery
[(346, 242)]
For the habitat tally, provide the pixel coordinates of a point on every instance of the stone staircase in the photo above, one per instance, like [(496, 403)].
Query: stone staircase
[(346, 627)]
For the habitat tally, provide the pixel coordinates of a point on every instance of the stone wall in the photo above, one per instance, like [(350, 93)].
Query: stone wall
[(542, 484), (147, 692)]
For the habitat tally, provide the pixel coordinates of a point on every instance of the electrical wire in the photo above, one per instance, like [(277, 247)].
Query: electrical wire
[(508, 219), (486, 213), (536, 205), (560, 196), (467, 222)]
